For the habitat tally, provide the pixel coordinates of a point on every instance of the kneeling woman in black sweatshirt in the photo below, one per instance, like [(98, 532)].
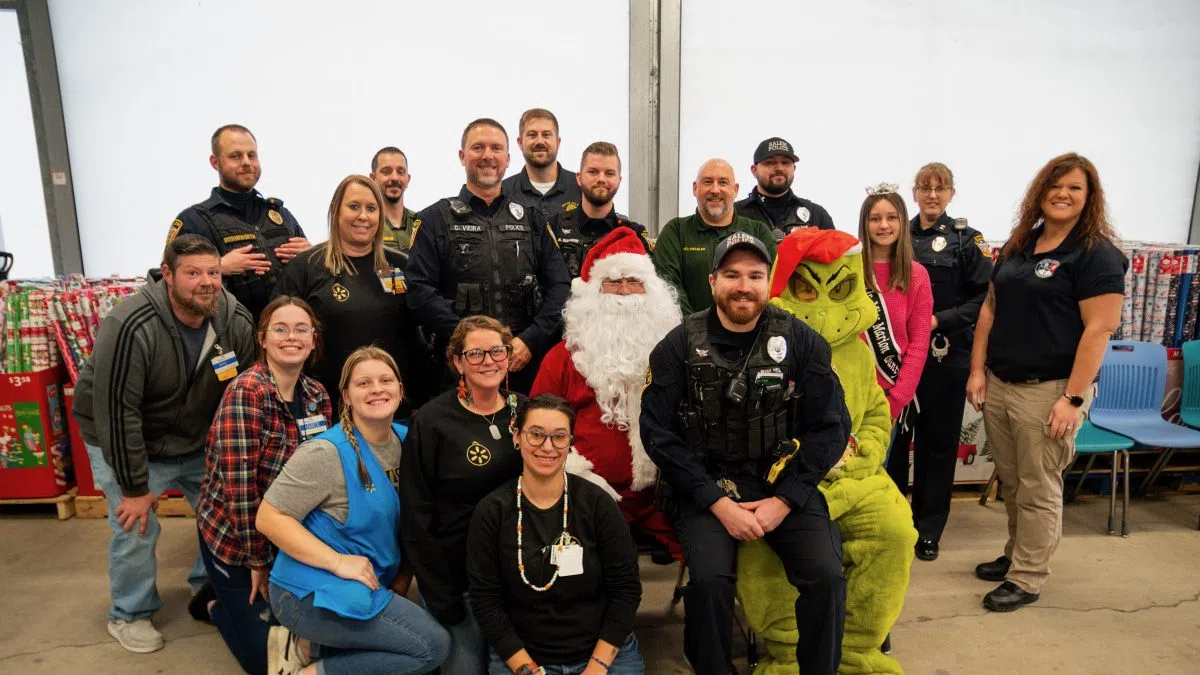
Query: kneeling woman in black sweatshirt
[(551, 565)]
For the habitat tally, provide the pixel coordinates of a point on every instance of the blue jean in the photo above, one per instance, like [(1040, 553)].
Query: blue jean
[(628, 662), (242, 625), (131, 562), (469, 650), (403, 638)]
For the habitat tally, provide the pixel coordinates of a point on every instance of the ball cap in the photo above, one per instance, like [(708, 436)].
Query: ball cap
[(774, 147), (736, 241)]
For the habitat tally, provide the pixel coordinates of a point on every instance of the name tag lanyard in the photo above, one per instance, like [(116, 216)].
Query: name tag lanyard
[(520, 538)]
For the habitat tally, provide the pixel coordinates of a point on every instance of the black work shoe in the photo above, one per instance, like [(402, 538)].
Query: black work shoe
[(927, 549), (995, 570), (198, 605), (886, 647), (1008, 597)]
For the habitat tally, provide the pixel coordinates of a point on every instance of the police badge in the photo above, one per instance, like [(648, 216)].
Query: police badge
[(803, 214), (274, 216), (939, 244), (516, 210), (777, 348)]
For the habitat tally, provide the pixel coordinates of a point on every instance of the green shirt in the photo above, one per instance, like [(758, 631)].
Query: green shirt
[(683, 255), (399, 237)]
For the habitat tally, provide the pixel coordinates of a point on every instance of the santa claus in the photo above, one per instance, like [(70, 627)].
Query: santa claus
[(618, 311)]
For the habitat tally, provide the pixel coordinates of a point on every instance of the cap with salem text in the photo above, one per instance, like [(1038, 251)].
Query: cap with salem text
[(774, 147), (739, 240)]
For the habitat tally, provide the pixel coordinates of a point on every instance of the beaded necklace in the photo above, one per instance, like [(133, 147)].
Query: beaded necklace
[(520, 538)]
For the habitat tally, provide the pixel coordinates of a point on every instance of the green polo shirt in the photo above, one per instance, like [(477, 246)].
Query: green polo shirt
[(683, 255), (399, 237)]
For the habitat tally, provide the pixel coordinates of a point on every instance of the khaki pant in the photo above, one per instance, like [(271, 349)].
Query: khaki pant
[(1030, 465)]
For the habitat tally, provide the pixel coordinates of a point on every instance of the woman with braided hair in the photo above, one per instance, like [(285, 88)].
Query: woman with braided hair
[(339, 580)]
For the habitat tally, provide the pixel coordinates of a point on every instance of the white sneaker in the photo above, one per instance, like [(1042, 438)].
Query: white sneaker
[(283, 652), (139, 637)]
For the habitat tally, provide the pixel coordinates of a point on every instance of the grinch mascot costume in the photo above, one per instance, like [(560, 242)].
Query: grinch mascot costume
[(818, 277)]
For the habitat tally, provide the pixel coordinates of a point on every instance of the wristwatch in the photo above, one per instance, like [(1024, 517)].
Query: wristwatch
[(1076, 401)]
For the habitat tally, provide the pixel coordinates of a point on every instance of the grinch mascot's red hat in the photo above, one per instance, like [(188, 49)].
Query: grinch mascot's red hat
[(823, 246), (620, 253)]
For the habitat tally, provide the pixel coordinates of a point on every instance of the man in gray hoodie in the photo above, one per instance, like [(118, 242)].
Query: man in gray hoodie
[(144, 403)]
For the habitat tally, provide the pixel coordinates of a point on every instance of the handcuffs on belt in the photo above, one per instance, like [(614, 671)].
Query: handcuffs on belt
[(939, 352)]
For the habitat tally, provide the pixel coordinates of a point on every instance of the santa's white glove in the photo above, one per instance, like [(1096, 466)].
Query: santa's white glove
[(578, 465)]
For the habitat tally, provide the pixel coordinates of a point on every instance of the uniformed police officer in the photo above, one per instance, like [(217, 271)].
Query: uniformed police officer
[(543, 182), (482, 253), (577, 230), (958, 261), (726, 394), (255, 237), (772, 200), (389, 170)]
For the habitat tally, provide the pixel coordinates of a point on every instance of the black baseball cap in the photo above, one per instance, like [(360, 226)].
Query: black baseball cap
[(772, 147), (736, 241)]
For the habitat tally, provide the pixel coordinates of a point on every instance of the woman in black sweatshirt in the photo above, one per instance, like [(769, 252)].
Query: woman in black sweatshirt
[(551, 566)]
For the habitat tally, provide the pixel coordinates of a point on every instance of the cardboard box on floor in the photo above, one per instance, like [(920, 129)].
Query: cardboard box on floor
[(35, 456)]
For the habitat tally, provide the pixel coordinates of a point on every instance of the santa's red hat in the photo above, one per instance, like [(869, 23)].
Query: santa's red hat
[(808, 243), (621, 253)]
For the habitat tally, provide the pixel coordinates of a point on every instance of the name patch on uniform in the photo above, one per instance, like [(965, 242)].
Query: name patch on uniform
[(225, 365), (466, 228), (1046, 268), (233, 238), (514, 228), (695, 249)]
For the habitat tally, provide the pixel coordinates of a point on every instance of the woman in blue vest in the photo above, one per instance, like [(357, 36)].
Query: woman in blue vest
[(334, 512)]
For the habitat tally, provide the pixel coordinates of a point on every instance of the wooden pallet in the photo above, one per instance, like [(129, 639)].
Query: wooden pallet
[(97, 507), (64, 503)]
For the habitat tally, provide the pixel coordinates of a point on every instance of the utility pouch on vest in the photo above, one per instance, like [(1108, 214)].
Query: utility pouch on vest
[(468, 299), (529, 296)]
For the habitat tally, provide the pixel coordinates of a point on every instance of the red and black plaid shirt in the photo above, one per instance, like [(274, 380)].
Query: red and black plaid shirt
[(253, 436)]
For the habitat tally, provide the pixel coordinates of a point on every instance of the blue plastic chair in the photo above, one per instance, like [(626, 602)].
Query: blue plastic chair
[(1189, 404), (1133, 380), (1092, 441)]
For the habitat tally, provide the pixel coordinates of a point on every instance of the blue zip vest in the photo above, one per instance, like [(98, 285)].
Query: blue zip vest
[(371, 530)]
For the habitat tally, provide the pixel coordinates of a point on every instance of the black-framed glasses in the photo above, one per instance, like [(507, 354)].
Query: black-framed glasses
[(499, 354), (536, 437), (940, 190)]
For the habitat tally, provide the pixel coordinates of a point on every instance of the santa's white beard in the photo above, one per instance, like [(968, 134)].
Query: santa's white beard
[(610, 338)]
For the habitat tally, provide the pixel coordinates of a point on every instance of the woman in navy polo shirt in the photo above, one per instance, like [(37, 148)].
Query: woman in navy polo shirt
[(1053, 302)]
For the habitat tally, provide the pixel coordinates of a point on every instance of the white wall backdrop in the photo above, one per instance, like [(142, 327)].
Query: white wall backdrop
[(23, 226), (322, 85), (869, 90)]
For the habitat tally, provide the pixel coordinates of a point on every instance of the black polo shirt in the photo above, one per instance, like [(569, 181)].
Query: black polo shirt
[(563, 194), (1037, 323)]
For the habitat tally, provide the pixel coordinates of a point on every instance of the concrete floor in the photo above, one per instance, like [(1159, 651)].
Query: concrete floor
[(1113, 605)]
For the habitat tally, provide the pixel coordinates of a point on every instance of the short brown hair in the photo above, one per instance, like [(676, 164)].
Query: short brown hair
[(216, 137), (481, 122), (264, 320), (473, 323), (934, 171), (602, 148), (187, 244), (389, 150), (537, 114)]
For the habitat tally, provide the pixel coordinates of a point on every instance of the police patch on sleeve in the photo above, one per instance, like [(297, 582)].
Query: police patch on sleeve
[(649, 241), (516, 210), (983, 247), (416, 226), (649, 379), (176, 225)]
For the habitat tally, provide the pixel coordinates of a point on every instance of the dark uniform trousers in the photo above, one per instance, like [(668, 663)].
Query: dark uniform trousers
[(808, 544), (934, 434)]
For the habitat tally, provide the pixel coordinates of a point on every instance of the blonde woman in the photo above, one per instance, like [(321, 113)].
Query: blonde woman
[(339, 581)]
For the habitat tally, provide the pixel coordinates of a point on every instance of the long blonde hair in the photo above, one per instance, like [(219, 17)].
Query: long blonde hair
[(900, 266), (360, 355), (333, 257)]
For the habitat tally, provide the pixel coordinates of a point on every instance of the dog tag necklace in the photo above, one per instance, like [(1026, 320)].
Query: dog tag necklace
[(492, 428)]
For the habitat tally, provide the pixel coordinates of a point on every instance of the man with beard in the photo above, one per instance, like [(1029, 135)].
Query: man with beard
[(144, 402), (579, 229), (254, 236), (618, 310), (481, 253), (543, 183), (389, 170), (772, 200), (683, 253), (744, 416)]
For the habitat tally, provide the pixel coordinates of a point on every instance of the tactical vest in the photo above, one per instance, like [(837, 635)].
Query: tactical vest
[(493, 263), (791, 217), (230, 232), (945, 257), (732, 436), (574, 242)]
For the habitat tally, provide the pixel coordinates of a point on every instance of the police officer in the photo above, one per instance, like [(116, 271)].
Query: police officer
[(959, 262), (730, 392), (772, 200), (483, 253), (255, 237), (577, 230), (389, 170), (543, 182)]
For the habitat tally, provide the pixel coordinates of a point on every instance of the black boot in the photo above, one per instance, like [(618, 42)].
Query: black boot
[(886, 647), (1008, 597), (927, 549), (995, 570)]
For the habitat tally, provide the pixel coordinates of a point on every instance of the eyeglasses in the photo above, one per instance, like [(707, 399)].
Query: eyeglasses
[(284, 331), (628, 282), (536, 437), (928, 190), (499, 354)]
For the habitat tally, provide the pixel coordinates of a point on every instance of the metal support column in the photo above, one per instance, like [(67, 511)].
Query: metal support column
[(654, 40)]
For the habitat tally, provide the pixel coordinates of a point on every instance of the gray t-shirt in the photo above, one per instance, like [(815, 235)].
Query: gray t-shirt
[(193, 342), (313, 478)]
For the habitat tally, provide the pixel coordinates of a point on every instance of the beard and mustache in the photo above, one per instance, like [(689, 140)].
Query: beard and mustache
[(201, 303), (768, 186)]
